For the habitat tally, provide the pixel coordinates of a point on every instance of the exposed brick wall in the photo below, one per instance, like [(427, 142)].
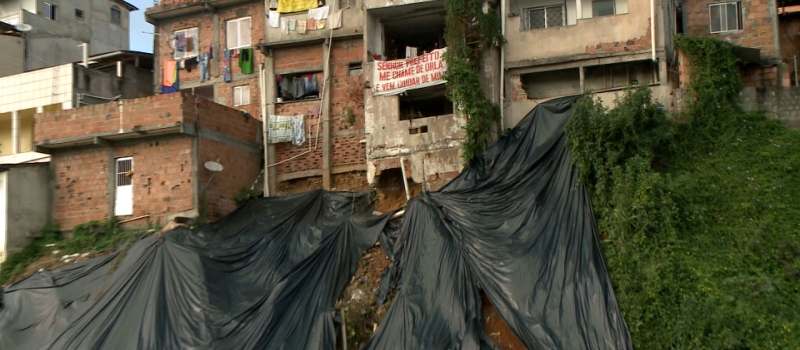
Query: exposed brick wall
[(158, 110), (756, 76), (348, 150), (241, 168), (228, 121), (634, 44), (162, 166), (162, 176), (162, 181), (346, 92), (81, 193), (788, 29), (205, 24), (757, 25), (299, 57), (518, 92), (285, 150)]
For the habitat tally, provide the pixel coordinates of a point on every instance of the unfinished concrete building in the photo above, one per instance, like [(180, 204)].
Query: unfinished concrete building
[(565, 47), (52, 31), (411, 127)]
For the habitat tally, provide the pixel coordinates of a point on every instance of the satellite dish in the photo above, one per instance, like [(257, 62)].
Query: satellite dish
[(213, 166), (23, 27)]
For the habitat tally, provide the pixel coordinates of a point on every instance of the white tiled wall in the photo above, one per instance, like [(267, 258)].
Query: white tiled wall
[(37, 88)]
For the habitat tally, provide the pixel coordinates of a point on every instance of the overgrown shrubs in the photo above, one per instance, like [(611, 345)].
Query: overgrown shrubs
[(469, 31), (700, 219)]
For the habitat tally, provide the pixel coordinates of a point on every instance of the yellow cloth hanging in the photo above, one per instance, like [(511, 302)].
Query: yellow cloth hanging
[(287, 6)]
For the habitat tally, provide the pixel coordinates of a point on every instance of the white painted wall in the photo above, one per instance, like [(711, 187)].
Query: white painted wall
[(37, 88), (3, 213)]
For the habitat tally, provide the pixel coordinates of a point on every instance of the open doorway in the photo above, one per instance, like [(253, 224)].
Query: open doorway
[(406, 31)]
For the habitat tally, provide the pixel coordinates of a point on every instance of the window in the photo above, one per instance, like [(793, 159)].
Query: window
[(116, 15), (424, 103), (354, 69), (241, 95), (345, 4), (123, 201), (49, 11), (725, 17), (551, 83), (79, 14), (602, 8), (543, 17), (238, 33), (185, 43), (298, 86)]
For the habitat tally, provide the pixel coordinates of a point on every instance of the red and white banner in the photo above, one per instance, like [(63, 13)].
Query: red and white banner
[(394, 77)]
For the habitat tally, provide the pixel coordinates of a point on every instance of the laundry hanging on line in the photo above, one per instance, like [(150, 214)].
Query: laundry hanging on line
[(226, 65), (246, 60), (169, 81), (286, 129), (319, 13)]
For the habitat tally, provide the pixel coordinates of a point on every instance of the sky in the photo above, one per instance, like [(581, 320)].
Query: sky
[(141, 41)]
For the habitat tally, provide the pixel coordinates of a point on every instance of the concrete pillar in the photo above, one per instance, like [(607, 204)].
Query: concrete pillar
[(326, 116), (14, 132), (218, 54), (270, 156)]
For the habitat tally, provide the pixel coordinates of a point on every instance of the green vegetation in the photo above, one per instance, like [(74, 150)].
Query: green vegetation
[(245, 194), (89, 237), (468, 32), (699, 217)]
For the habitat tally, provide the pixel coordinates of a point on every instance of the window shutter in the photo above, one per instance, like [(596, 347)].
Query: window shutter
[(244, 32), (232, 33)]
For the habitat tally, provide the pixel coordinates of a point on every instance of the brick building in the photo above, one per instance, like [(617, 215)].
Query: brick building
[(559, 48), (187, 30), (144, 158), (766, 29)]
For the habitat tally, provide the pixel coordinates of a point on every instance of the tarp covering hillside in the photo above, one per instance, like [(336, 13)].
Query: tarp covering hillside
[(264, 277), (517, 224)]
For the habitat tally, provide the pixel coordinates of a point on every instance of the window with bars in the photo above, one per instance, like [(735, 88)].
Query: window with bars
[(123, 196), (344, 4), (543, 17), (124, 169), (238, 33), (725, 17)]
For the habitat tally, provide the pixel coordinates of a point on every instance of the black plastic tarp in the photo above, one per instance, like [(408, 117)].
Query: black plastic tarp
[(264, 277), (517, 224)]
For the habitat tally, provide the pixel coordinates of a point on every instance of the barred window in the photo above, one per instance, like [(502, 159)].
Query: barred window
[(543, 17)]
